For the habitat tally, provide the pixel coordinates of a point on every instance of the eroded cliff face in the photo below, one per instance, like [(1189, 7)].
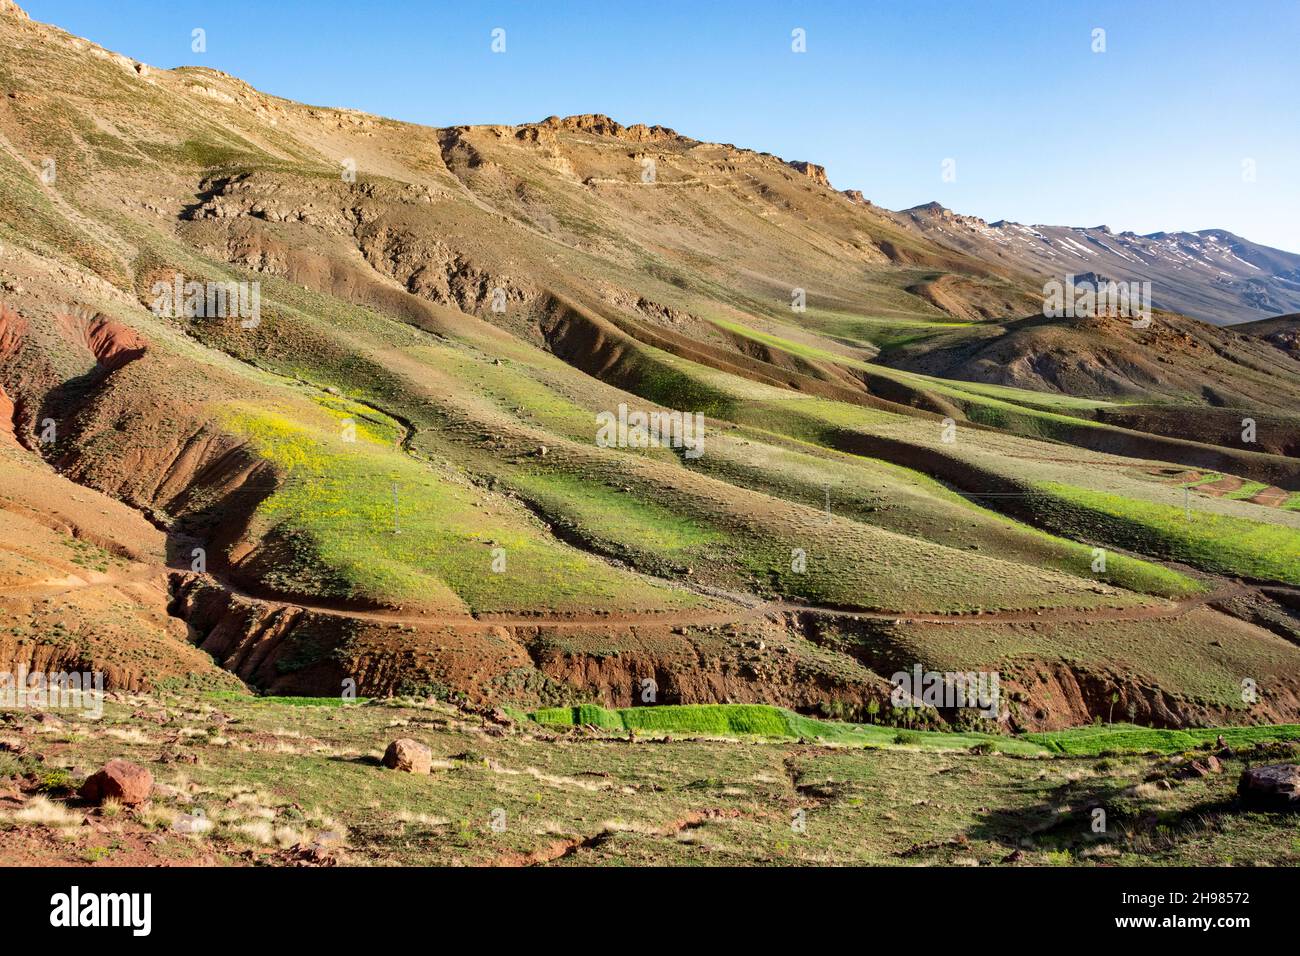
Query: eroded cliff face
[(814, 172)]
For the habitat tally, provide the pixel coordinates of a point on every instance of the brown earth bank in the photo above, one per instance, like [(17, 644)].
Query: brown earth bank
[(1051, 681), (286, 649), (83, 586), (1225, 427), (802, 660)]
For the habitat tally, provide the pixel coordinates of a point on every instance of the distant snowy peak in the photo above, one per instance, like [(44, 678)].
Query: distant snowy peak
[(1211, 274)]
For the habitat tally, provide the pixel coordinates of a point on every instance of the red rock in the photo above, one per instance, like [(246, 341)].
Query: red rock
[(1203, 767), (120, 780)]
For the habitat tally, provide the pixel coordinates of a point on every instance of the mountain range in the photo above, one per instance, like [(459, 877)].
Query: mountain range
[(1210, 274)]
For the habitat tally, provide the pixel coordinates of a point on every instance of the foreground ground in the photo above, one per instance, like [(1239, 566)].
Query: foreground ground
[(247, 781)]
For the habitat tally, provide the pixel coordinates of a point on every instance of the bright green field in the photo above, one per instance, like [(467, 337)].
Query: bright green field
[(765, 721), (1126, 738), (1212, 541), (389, 527)]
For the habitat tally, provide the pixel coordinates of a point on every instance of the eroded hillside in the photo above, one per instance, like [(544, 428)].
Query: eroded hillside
[(369, 449)]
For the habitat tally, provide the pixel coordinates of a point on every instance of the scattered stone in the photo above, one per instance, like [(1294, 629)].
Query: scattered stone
[(1202, 767), (304, 854), (1271, 787), (120, 780), (178, 757), (409, 756)]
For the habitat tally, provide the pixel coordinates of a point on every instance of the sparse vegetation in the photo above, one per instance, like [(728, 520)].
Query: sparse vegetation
[(873, 796)]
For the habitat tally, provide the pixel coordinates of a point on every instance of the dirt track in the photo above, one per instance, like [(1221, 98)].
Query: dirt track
[(750, 607)]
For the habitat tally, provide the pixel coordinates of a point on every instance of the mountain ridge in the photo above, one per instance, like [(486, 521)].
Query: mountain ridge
[(1210, 274)]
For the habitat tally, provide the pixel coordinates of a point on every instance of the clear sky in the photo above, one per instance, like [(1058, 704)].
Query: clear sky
[(1150, 134)]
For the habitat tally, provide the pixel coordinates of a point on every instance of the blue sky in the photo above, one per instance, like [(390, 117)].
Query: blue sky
[(1151, 134)]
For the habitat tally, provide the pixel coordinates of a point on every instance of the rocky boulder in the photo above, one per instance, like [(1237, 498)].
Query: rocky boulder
[(409, 756), (1271, 787), (1202, 767), (120, 780)]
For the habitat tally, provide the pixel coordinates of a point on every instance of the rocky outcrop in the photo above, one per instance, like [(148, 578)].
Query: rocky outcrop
[(601, 125), (814, 172)]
